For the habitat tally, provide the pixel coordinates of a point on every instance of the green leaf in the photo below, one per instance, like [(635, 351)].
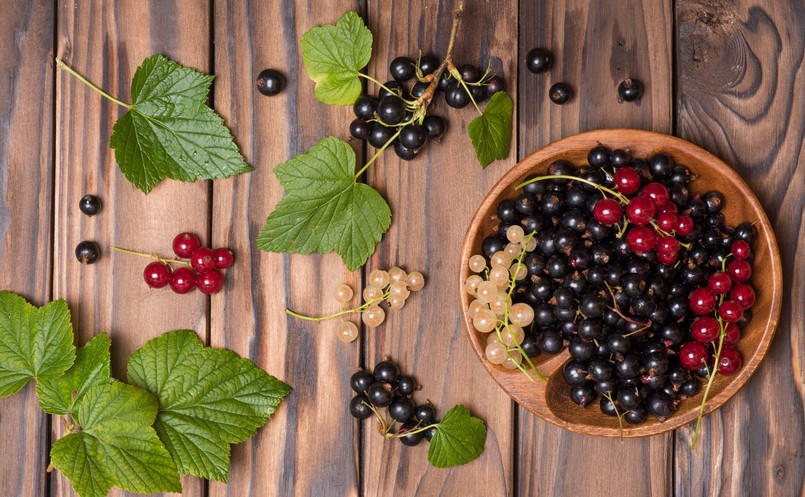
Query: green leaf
[(34, 342), (459, 438), (325, 208), (116, 445), (63, 394), (208, 399), (170, 132), (491, 132), (333, 56)]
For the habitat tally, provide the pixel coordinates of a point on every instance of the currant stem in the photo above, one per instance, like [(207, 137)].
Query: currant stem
[(430, 91), (151, 256), (710, 379), (373, 80), (61, 65), (360, 308), (469, 93), (412, 432), (620, 197), (377, 154)]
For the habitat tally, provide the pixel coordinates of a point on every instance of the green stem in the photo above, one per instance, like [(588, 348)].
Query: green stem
[(469, 93), (61, 65), (360, 308), (378, 83), (151, 256), (377, 154), (412, 432), (615, 194), (710, 379)]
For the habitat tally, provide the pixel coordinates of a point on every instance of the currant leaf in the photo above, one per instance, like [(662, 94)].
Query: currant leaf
[(333, 56), (325, 208), (208, 399), (491, 132), (34, 342), (459, 439)]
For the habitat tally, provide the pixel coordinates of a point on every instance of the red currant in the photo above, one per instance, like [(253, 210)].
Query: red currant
[(705, 329), (740, 270), (657, 192), (210, 282), (183, 280), (667, 245), (668, 208), (202, 259), (719, 283), (223, 258), (684, 225), (693, 355), (641, 239), (667, 221), (607, 211), (732, 334), (730, 311), (740, 249), (640, 210), (667, 258), (702, 301), (184, 244), (157, 274), (729, 361), (627, 180), (744, 294)]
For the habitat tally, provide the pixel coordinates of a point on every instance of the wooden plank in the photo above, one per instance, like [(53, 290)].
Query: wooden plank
[(741, 95), (26, 196), (106, 41), (595, 47), (309, 446), (432, 200)]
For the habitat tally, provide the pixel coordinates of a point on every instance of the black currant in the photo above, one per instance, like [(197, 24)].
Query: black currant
[(411, 439), (359, 407), (599, 156), (401, 409), (360, 128), (87, 252), (270, 82), (392, 88), (404, 152), (89, 205), (494, 85), (361, 380), (538, 60), (386, 371), (425, 414), (402, 68), (365, 107), (391, 109), (418, 89), (428, 64), (435, 125), (413, 136), (560, 93), (379, 394), (406, 385), (456, 97), (379, 135), (630, 89), (583, 395)]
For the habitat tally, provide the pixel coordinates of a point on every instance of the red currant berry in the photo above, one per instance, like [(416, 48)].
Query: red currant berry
[(641, 239), (667, 245), (732, 334), (210, 282), (667, 258), (693, 355), (705, 329), (684, 225), (223, 258), (640, 210), (702, 301), (183, 280), (202, 259), (657, 192), (668, 208), (730, 311), (719, 283), (744, 294), (729, 361), (740, 249), (667, 221), (184, 244), (740, 270), (157, 274), (627, 180), (607, 211)]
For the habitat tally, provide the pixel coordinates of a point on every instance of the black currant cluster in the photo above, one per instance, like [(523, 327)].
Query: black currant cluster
[(642, 316), (386, 387), (378, 118), (539, 60), (88, 252)]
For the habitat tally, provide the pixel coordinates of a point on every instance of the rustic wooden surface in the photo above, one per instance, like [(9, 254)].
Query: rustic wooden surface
[(728, 76)]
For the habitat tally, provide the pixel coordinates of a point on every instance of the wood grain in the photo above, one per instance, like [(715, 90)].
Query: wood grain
[(741, 94), (309, 445), (432, 199), (595, 47), (106, 41), (26, 194)]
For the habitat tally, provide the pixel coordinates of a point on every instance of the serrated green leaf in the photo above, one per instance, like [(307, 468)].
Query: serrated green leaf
[(208, 399), (491, 132), (34, 342), (459, 438), (116, 445), (63, 394), (333, 56), (325, 208), (170, 132)]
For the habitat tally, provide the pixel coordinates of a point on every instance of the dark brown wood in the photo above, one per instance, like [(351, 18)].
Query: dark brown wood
[(308, 447), (106, 41), (26, 193), (549, 400), (596, 45), (432, 199), (740, 85)]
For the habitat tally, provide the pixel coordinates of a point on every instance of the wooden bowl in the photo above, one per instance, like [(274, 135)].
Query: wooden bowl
[(549, 400)]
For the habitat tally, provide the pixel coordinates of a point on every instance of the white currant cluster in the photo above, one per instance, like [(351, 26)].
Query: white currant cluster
[(492, 309)]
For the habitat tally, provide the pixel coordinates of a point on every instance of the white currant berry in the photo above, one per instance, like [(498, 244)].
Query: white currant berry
[(472, 283), (499, 305), (347, 331), (531, 245), (474, 307), (477, 263), (372, 293), (486, 292), (521, 314), (396, 303), (378, 278), (518, 271), (397, 274), (343, 293), (415, 281), (501, 259), (373, 316), (514, 359), (499, 275), (492, 338), (512, 335), (484, 321), (399, 290), (495, 353), (513, 249), (515, 233)]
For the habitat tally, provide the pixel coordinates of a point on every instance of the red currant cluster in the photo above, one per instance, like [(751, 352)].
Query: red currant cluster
[(203, 271)]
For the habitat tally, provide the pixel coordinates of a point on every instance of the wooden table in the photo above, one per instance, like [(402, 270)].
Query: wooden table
[(728, 76)]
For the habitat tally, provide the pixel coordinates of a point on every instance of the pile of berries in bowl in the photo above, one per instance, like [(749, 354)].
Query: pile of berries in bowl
[(615, 280)]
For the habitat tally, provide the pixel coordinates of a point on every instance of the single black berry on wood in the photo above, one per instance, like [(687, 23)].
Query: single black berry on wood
[(87, 252), (538, 60), (560, 93), (270, 82), (630, 89), (89, 205)]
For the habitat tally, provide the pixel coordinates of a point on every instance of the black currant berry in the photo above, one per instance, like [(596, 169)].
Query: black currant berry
[(89, 205), (379, 135), (456, 97), (87, 252), (365, 107), (413, 136), (394, 88), (391, 109), (361, 380), (406, 385), (425, 414), (560, 93), (494, 85), (270, 82), (404, 152), (538, 60), (630, 89), (402, 69), (401, 409), (386, 371), (428, 64), (435, 125), (379, 394), (360, 128), (412, 438), (418, 89), (359, 407)]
